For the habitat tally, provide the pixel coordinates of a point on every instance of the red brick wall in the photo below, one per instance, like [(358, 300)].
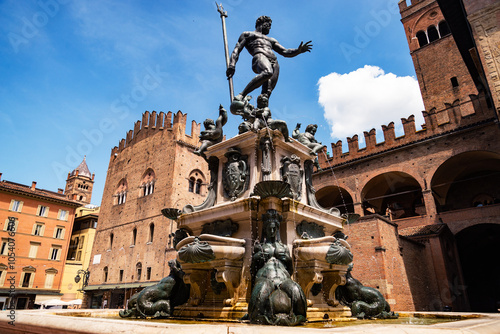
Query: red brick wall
[(162, 145)]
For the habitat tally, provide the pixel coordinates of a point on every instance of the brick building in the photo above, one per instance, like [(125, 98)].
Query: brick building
[(429, 199), (152, 168), (35, 235)]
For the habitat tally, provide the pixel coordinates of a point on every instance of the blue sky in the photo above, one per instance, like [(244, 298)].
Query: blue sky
[(76, 75)]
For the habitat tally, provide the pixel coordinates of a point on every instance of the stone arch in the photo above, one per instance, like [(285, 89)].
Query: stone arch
[(422, 38), (466, 180), (477, 246), (335, 196), (429, 17), (396, 194)]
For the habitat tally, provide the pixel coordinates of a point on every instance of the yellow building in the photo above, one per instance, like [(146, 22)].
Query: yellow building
[(80, 247)]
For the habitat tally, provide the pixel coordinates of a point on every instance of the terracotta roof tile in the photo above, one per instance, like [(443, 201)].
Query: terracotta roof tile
[(40, 193)]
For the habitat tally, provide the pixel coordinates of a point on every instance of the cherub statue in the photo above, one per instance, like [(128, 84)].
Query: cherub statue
[(258, 118), (307, 138), (213, 132)]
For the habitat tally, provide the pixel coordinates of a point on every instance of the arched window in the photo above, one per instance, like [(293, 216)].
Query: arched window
[(443, 28), (422, 38), (151, 232), (134, 236), (196, 180), (105, 271), (191, 185), (432, 33), (148, 182), (121, 192), (198, 186), (138, 270)]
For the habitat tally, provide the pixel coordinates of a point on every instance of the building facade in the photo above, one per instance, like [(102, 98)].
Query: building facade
[(79, 253), (429, 200), (35, 236), (152, 168)]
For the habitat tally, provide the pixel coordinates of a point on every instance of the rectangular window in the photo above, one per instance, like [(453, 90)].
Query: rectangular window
[(33, 249), (16, 205), (148, 273), (59, 233), (26, 280), (43, 211), (121, 275), (4, 250), (79, 256), (63, 215), (82, 240), (11, 224), (38, 229), (55, 253), (49, 280)]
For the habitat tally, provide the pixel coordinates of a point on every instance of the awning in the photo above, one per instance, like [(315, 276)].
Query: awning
[(39, 299), (118, 286), (75, 302), (53, 302)]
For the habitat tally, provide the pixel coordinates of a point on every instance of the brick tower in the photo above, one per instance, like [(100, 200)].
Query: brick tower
[(79, 183), (441, 72)]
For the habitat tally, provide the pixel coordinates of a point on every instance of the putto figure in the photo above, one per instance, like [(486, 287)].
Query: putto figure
[(264, 63), (213, 132), (307, 138)]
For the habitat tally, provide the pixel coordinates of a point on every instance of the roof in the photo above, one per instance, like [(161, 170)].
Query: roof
[(43, 194), (83, 169), (422, 230)]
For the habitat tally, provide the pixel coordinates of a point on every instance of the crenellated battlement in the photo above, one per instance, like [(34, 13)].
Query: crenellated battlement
[(454, 116), (155, 122)]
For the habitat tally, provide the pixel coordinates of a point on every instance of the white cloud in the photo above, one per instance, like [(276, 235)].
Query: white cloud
[(368, 98)]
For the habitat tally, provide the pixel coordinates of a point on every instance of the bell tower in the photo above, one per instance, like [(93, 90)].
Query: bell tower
[(441, 72), (79, 183)]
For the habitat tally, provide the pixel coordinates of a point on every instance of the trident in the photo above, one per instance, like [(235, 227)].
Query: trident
[(223, 15)]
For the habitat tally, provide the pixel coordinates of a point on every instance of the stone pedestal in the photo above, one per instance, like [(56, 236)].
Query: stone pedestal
[(221, 286)]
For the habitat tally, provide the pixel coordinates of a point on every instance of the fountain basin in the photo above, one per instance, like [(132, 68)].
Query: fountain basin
[(222, 247), (107, 321)]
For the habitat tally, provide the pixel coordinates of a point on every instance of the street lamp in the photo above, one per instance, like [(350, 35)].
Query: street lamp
[(85, 274)]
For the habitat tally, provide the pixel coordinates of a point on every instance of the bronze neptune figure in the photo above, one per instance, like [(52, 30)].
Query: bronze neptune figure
[(264, 63)]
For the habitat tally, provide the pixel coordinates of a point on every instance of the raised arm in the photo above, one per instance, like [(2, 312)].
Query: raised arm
[(292, 52), (222, 119), (236, 54)]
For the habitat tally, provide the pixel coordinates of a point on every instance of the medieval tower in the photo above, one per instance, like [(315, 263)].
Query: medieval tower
[(429, 200), (80, 183), (154, 167)]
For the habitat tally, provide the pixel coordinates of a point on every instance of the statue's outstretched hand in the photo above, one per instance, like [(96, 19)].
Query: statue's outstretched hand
[(230, 72), (307, 47)]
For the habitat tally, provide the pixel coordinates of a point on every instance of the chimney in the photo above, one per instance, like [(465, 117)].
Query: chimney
[(33, 186), (60, 191), (93, 175), (0, 176), (77, 172), (74, 197)]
